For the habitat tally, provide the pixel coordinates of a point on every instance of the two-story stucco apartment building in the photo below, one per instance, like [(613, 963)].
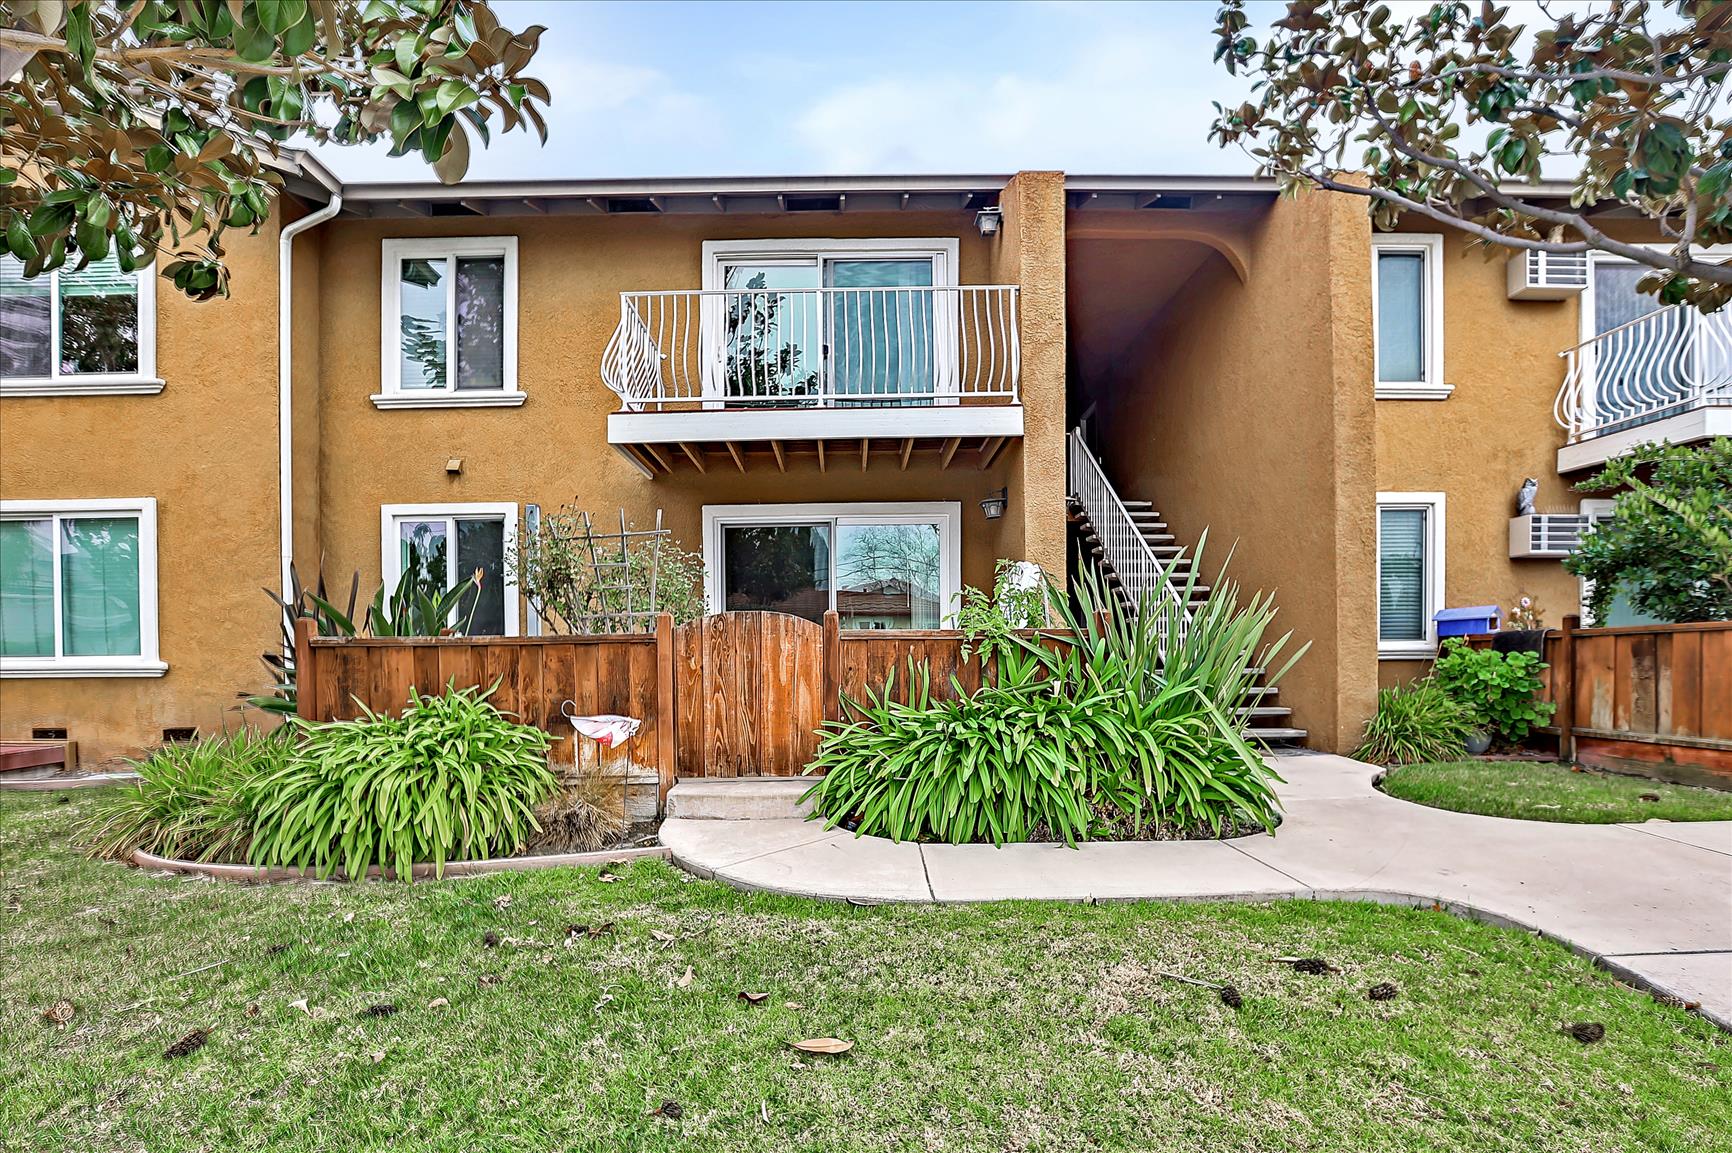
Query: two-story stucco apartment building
[(838, 370)]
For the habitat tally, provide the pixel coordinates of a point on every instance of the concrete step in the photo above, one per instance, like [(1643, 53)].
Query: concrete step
[(1279, 736), (1266, 712), (1134, 505), (739, 799)]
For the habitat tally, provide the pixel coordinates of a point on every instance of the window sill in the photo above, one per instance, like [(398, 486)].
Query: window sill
[(81, 386), (1414, 391), (119, 668), (387, 400), (1423, 653)]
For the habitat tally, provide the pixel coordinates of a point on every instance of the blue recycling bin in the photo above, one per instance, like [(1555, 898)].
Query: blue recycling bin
[(1467, 622)]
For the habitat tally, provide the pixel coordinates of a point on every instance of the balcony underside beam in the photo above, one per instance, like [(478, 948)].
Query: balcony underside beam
[(692, 457), (753, 426)]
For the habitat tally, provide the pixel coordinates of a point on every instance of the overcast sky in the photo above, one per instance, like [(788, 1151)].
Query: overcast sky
[(725, 89)]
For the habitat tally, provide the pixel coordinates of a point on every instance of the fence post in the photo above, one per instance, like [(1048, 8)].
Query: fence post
[(665, 708), (306, 628), (832, 666), (1564, 682)]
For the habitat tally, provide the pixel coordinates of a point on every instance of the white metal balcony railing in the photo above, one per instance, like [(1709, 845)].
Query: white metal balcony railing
[(814, 347), (1665, 362), (1144, 576)]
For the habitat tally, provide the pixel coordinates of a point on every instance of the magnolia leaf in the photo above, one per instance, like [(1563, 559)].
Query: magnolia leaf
[(454, 161), (753, 998), (686, 978), (832, 1045)]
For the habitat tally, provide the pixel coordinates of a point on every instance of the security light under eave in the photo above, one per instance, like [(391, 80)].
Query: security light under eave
[(989, 219), (993, 503)]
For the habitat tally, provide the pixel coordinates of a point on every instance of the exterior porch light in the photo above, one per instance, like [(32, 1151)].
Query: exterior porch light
[(989, 219), (993, 503)]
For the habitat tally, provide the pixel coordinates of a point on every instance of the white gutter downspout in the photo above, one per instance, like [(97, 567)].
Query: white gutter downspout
[(285, 381)]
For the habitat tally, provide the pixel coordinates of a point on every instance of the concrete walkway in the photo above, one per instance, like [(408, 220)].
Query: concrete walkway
[(1652, 902)]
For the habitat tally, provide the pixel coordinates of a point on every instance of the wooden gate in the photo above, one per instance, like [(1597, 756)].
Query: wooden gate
[(750, 695)]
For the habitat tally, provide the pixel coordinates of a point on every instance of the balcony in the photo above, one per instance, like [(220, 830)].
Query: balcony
[(733, 377), (1666, 375)]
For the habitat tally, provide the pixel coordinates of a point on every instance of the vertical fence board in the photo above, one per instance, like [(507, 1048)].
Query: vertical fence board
[(1644, 690), (1716, 682), (1684, 716)]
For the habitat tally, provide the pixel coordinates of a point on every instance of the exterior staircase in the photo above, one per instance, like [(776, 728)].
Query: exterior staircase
[(1136, 555)]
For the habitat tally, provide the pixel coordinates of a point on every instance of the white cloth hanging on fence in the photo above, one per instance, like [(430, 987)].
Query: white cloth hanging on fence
[(608, 730)]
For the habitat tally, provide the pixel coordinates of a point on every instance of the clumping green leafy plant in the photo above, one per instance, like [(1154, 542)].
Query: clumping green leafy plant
[(1500, 688), (1016, 756), (1668, 545), (1416, 722), (451, 778), (1133, 725), (189, 802)]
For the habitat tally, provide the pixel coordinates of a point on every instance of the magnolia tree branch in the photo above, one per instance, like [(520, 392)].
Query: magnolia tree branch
[(1630, 105)]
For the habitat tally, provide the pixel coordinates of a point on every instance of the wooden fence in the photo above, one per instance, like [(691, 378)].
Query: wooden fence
[(1650, 699), (740, 694)]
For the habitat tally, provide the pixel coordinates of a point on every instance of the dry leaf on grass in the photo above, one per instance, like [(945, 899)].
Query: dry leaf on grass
[(378, 1055), (1383, 991), (381, 1010), (502, 901), (832, 1045), (667, 939), (685, 978), (1587, 1032), (189, 1044), (795, 1005), (487, 979), (438, 1003), (301, 1005), (59, 1013), (669, 1109), (490, 940), (753, 998)]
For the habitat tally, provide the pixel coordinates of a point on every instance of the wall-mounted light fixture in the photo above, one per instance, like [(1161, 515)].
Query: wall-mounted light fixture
[(989, 220), (993, 503)]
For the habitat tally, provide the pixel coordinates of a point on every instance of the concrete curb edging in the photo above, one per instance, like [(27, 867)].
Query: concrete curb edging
[(68, 781), (254, 874)]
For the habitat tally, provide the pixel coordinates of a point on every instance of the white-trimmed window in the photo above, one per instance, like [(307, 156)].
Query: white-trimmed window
[(78, 588), (1407, 315), (787, 320), (880, 566), (1410, 546), (449, 543), (66, 332), (448, 326)]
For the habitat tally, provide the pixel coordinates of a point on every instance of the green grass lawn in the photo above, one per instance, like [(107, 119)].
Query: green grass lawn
[(1030, 1026), (1546, 791)]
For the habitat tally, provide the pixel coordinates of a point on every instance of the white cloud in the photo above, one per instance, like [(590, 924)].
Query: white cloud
[(1116, 101)]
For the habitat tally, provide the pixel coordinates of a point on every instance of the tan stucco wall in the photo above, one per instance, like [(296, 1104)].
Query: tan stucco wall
[(1495, 429), (1246, 410), (1030, 251), (553, 450), (205, 448)]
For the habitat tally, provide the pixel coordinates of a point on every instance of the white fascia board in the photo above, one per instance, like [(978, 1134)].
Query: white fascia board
[(1685, 428), (813, 424)]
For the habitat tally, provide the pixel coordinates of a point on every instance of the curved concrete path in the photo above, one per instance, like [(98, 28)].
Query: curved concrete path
[(1652, 902)]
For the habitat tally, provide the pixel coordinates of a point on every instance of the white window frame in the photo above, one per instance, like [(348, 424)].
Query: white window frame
[(142, 382), (1592, 508), (943, 251), (947, 514), (1435, 506), (148, 662), (1428, 245), (391, 549), (391, 392)]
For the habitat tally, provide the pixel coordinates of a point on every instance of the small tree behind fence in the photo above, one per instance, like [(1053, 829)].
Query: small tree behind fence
[(582, 581)]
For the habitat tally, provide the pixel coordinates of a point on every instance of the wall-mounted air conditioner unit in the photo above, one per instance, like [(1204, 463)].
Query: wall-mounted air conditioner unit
[(1550, 535), (1535, 275)]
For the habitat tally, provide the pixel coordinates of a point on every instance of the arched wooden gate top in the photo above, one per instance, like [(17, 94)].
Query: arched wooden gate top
[(749, 694)]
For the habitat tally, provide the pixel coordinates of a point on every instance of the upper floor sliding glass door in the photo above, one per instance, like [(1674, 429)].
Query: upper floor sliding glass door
[(819, 327)]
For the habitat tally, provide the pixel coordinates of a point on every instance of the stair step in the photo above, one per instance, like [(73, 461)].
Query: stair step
[(1134, 505), (1279, 736), (739, 798), (1265, 712)]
